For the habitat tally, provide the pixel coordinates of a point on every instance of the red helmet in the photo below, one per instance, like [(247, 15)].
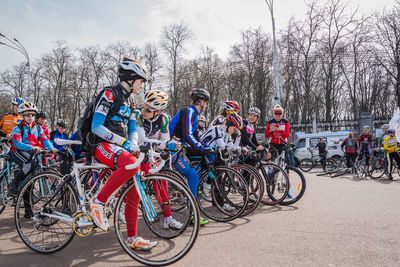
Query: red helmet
[(231, 106), (234, 120)]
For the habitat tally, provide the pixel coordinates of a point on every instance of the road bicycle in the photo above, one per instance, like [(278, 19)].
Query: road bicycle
[(297, 180), (62, 212), (308, 164)]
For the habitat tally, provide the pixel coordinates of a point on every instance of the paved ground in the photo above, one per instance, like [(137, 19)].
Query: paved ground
[(339, 222)]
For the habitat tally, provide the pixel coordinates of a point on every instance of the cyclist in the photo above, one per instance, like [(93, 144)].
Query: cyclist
[(117, 144), (277, 128), (248, 132), (201, 125), (365, 143), (183, 127), (322, 151), (385, 127), (41, 120), (392, 151), (152, 123), (27, 136), (221, 136), (59, 133), (9, 120), (349, 146), (228, 107)]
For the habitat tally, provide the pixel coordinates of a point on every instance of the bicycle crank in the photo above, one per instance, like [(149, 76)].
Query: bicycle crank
[(82, 224)]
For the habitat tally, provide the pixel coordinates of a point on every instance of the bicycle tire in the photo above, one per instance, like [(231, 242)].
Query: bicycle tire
[(42, 224), (255, 184), (273, 171), (306, 165), (189, 231), (299, 186), (3, 193), (377, 165), (238, 196)]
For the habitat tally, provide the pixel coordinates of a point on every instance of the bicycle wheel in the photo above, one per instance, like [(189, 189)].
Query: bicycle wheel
[(3, 194), (167, 251), (377, 168), (306, 165), (297, 186), (232, 192), (42, 233), (177, 197), (255, 184), (331, 165), (276, 183), (174, 202)]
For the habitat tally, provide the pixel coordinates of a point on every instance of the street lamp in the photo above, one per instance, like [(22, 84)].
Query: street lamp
[(20, 48), (277, 99)]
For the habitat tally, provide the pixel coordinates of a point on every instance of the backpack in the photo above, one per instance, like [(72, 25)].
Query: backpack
[(90, 140), (350, 145)]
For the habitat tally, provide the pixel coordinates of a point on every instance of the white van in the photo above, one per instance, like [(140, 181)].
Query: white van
[(306, 141)]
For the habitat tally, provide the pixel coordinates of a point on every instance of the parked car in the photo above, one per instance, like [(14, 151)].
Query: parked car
[(307, 141)]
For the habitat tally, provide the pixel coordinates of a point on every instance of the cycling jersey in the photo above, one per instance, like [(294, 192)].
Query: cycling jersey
[(365, 141), (217, 136), (217, 121), (46, 130), (249, 135), (390, 144), (321, 148), (7, 123), (155, 129), (276, 135), (33, 136), (200, 131), (184, 125), (117, 128)]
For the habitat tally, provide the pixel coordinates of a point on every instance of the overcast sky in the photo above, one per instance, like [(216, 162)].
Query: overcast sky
[(216, 23)]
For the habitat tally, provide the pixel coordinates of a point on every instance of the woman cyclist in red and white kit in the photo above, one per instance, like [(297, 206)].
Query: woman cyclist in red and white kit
[(118, 135), (277, 128)]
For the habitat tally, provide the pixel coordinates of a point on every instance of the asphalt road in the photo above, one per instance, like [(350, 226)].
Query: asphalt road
[(339, 222)]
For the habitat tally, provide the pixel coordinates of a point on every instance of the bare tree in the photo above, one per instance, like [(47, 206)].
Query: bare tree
[(172, 41)]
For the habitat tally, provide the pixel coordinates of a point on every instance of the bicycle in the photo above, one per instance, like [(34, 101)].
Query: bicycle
[(276, 179), (62, 214), (7, 175), (308, 164), (297, 181), (227, 187)]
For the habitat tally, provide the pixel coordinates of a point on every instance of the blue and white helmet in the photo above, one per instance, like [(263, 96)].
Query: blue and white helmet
[(17, 101)]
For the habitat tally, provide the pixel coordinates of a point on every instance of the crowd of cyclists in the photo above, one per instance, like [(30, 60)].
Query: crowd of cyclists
[(373, 155), (118, 132)]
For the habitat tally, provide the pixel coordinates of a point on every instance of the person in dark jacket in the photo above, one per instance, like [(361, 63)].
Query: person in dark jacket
[(59, 133), (350, 146)]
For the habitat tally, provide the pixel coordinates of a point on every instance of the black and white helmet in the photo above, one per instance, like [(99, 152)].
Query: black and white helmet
[(255, 111), (202, 118), (130, 69)]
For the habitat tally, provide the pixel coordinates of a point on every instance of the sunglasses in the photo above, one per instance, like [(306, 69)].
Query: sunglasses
[(29, 114), (147, 110), (277, 113)]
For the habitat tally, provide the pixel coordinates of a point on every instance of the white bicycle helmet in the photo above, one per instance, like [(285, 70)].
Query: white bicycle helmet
[(130, 69), (27, 106), (255, 111), (156, 99), (385, 126), (202, 118), (17, 101)]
